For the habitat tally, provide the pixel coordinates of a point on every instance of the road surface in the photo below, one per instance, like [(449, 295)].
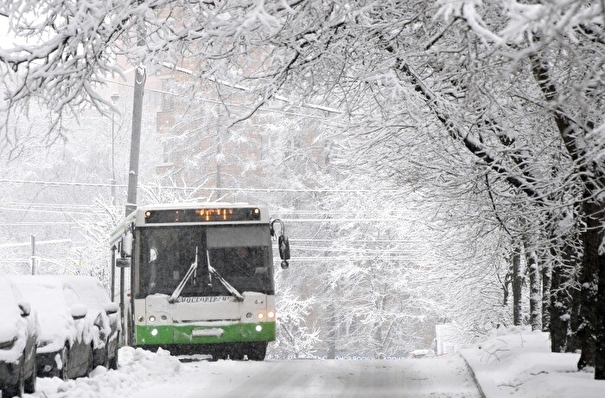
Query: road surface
[(430, 377), (158, 375)]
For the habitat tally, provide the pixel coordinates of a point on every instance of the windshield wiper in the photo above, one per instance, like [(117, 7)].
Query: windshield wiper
[(222, 280), (192, 270)]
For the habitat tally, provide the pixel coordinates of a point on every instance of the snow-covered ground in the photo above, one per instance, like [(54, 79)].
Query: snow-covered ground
[(517, 362), (143, 374), (511, 363)]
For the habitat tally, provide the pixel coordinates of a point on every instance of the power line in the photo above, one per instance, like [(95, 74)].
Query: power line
[(349, 259), (85, 209), (38, 242), (336, 240), (396, 215), (43, 211), (37, 223), (61, 183), (319, 220), (52, 205), (265, 190)]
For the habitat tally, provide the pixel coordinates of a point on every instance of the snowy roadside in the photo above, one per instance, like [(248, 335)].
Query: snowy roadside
[(137, 368), (143, 374), (517, 362), (509, 363)]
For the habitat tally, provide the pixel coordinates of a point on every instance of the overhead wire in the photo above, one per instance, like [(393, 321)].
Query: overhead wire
[(265, 190)]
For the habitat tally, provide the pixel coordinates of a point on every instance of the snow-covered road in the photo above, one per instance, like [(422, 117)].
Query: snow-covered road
[(143, 374)]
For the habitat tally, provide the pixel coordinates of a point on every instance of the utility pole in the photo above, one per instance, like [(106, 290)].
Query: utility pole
[(114, 99), (133, 171), (135, 141), (34, 258)]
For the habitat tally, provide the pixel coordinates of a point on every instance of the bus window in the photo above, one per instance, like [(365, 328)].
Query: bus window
[(244, 267), (166, 255)]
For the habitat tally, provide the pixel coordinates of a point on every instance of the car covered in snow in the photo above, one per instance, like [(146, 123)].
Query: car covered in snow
[(18, 338), (67, 331), (106, 318)]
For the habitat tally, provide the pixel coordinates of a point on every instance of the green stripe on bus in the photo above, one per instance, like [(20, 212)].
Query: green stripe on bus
[(182, 334)]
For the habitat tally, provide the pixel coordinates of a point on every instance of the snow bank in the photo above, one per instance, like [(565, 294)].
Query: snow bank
[(518, 362), (136, 367)]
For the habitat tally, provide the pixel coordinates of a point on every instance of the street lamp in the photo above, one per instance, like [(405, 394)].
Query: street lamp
[(114, 99)]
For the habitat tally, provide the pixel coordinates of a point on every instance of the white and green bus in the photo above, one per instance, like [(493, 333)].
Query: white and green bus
[(200, 278)]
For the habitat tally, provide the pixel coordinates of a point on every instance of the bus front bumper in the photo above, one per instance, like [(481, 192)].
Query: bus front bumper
[(158, 335)]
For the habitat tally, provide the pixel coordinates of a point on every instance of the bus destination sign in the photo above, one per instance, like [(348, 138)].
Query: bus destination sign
[(202, 215)]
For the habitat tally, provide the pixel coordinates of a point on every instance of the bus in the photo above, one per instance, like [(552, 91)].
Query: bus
[(200, 278)]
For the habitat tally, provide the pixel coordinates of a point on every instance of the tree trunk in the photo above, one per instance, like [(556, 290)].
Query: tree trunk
[(331, 325), (559, 311), (535, 297), (600, 313), (574, 344), (587, 330), (546, 295), (561, 300), (517, 287), (591, 330)]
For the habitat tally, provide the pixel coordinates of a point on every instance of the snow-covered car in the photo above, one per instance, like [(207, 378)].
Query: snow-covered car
[(106, 318), (66, 334), (18, 337)]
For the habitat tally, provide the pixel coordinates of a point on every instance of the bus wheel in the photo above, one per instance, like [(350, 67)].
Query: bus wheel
[(257, 351)]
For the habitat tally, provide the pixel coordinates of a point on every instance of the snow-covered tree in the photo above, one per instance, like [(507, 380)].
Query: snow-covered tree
[(497, 105)]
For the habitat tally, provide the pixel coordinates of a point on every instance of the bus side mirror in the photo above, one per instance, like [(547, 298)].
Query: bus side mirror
[(125, 251), (282, 242), (284, 250), (126, 245)]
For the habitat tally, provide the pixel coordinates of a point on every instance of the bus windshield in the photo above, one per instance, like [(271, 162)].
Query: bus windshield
[(241, 255)]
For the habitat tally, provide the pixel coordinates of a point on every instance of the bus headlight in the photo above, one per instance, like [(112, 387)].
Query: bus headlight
[(271, 315), (259, 328), (154, 332), (260, 315), (152, 318)]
